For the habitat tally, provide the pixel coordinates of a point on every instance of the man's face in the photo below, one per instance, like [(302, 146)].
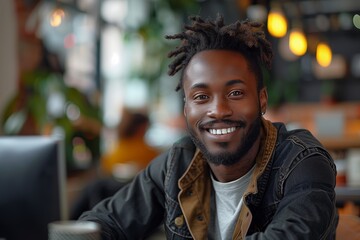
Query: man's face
[(222, 105)]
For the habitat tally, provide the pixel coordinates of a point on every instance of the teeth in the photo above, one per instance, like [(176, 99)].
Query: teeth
[(222, 131)]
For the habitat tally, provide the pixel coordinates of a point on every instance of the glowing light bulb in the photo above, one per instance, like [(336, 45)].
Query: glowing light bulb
[(57, 17), (297, 42), (277, 24), (323, 54)]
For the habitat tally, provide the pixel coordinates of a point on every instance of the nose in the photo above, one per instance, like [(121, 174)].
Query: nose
[(219, 109)]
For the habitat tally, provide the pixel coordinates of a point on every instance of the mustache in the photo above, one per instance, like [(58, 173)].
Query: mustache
[(210, 124)]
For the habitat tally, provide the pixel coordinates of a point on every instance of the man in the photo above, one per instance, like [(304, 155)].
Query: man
[(237, 176)]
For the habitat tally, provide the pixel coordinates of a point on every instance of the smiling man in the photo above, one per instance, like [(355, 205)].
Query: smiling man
[(237, 175), (223, 107)]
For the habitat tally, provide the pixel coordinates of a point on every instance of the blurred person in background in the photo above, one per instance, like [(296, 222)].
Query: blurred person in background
[(237, 175), (131, 147)]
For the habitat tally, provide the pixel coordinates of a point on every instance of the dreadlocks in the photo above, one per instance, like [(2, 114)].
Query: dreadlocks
[(245, 37)]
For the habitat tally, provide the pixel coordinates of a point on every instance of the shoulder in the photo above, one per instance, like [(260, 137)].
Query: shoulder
[(293, 146), (180, 152), (300, 137), (185, 142)]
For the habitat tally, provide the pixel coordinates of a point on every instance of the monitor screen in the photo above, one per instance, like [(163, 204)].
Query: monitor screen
[(32, 186)]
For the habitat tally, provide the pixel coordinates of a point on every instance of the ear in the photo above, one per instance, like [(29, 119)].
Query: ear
[(263, 99)]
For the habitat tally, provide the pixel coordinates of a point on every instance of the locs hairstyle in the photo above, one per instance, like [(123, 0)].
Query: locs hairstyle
[(245, 37)]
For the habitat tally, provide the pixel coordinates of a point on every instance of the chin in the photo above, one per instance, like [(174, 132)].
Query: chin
[(222, 158)]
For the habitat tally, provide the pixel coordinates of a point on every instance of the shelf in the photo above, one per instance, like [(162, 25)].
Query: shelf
[(344, 194), (341, 143), (307, 116)]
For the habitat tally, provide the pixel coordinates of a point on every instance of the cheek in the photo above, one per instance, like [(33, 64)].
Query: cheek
[(192, 114), (249, 110)]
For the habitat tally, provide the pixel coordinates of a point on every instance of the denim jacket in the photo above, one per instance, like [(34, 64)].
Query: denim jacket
[(290, 196)]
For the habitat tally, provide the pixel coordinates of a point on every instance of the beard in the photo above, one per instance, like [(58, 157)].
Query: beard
[(229, 158)]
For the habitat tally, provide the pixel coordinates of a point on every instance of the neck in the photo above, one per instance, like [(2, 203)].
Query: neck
[(240, 168)]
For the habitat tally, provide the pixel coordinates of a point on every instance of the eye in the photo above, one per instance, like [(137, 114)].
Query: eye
[(201, 97), (236, 93)]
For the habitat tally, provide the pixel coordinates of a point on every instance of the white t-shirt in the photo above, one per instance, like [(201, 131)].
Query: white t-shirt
[(225, 206)]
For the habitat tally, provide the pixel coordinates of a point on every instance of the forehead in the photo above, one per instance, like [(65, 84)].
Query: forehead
[(218, 65), (218, 59)]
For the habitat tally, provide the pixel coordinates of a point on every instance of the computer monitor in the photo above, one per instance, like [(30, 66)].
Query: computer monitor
[(32, 186)]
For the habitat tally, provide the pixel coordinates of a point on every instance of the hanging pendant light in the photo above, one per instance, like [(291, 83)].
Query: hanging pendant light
[(297, 42), (323, 54), (277, 23)]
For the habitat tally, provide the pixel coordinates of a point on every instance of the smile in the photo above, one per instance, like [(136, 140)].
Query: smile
[(222, 131)]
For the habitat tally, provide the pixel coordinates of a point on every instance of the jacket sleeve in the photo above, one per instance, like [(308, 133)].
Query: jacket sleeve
[(135, 210), (307, 209)]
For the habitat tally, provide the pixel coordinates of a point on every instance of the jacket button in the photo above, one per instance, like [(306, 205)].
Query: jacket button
[(179, 221)]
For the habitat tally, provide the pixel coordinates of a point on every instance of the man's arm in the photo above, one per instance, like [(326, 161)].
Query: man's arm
[(136, 209), (307, 210)]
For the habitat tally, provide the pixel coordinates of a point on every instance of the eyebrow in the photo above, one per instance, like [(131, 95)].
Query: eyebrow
[(229, 83), (235, 81)]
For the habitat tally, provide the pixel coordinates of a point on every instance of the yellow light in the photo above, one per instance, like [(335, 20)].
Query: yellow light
[(297, 42), (56, 17), (323, 54), (277, 24)]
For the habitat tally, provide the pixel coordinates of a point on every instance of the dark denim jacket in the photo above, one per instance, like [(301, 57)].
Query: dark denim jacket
[(295, 197)]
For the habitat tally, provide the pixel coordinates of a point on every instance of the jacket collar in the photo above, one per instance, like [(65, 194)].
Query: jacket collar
[(199, 164), (263, 161)]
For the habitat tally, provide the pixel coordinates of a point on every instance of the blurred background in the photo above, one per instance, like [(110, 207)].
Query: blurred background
[(71, 67)]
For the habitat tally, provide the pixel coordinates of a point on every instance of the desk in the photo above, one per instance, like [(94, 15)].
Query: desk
[(348, 228)]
